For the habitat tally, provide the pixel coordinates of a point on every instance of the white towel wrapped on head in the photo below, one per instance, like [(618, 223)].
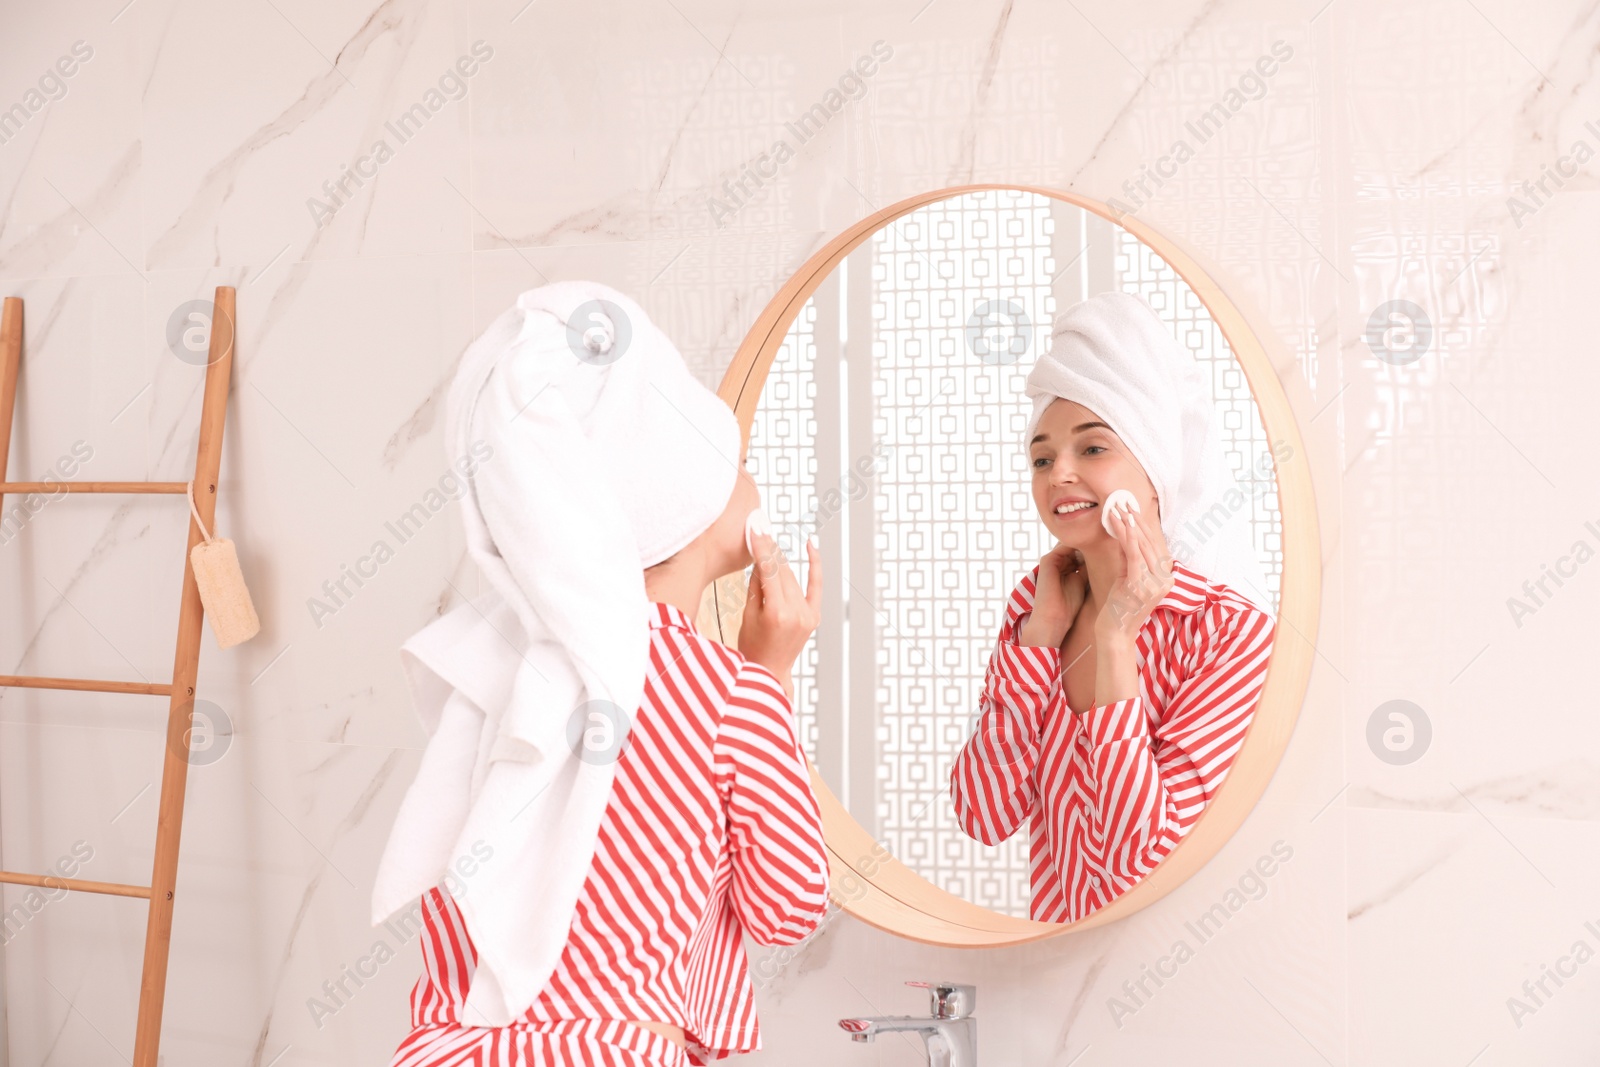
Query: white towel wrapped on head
[(595, 454), (1114, 355)]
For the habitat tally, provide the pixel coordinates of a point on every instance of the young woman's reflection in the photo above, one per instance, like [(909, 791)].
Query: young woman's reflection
[(1129, 664)]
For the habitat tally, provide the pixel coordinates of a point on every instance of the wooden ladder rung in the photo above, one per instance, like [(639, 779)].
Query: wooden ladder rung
[(33, 681), (93, 487), (50, 881)]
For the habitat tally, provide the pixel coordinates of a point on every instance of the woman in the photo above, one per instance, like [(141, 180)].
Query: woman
[(1123, 679), (616, 859)]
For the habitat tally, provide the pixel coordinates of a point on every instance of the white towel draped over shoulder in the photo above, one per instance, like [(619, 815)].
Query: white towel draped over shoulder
[(591, 453)]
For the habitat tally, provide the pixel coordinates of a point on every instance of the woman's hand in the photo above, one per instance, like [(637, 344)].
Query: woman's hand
[(1144, 577), (778, 621), (1061, 588)]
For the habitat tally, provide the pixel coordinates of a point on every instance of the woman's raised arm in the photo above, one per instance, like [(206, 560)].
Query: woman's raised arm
[(1149, 789), (991, 780), (780, 865)]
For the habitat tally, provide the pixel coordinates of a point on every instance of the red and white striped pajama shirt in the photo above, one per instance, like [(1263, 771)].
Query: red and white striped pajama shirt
[(712, 830), (1109, 793)]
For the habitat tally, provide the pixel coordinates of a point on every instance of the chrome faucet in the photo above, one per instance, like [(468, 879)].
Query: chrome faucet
[(949, 1032)]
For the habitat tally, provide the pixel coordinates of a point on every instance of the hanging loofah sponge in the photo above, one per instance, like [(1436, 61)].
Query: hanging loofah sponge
[(222, 589)]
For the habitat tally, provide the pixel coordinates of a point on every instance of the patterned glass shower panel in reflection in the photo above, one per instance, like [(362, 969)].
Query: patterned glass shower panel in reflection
[(962, 299), (783, 462)]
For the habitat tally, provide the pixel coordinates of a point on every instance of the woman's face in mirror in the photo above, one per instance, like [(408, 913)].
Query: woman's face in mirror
[(1076, 457)]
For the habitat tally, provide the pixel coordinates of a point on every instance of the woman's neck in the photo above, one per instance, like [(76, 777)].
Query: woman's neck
[(681, 583), (1104, 565)]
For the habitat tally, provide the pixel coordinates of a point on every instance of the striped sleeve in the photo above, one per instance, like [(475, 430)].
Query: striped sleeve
[(780, 867), (1148, 791), (992, 778)]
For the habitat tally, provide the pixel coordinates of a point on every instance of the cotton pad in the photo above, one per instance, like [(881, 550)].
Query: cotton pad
[(755, 523), (1119, 498)]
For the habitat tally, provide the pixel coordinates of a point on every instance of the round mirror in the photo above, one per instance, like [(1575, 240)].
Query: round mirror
[(882, 394)]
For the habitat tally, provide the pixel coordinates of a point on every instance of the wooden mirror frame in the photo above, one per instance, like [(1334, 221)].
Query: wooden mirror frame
[(868, 882)]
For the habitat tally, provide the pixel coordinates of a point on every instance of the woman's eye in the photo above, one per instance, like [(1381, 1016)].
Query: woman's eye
[(1100, 447)]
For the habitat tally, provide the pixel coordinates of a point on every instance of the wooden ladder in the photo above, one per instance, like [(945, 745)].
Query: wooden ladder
[(185, 663)]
